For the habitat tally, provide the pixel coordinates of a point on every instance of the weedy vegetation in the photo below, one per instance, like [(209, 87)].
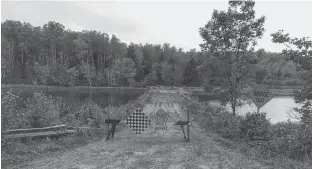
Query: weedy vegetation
[(44, 111)]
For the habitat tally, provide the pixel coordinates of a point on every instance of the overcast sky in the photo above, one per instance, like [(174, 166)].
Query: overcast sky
[(159, 22)]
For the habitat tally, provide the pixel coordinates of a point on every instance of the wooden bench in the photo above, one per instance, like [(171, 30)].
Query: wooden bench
[(37, 132)]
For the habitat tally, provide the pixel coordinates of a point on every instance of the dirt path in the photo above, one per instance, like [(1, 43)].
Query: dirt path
[(149, 150)]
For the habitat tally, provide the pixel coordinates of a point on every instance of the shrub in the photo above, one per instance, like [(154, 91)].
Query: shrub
[(255, 125), (88, 114), (305, 141), (195, 108), (227, 124), (292, 81), (11, 116), (42, 111), (288, 139), (217, 119)]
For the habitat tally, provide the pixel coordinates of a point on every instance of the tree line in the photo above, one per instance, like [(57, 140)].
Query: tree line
[(54, 55)]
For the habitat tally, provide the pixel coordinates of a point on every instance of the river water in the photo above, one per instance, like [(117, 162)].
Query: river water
[(277, 109)]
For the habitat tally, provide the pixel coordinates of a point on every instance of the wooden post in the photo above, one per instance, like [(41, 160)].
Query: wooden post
[(108, 131), (188, 126), (113, 129), (182, 127)]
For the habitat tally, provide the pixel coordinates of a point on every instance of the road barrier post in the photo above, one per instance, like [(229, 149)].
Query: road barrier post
[(188, 126)]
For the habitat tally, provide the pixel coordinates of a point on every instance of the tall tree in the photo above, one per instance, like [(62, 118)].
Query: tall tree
[(299, 50), (230, 37), (191, 76)]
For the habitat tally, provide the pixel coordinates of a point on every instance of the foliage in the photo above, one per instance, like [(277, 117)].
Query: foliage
[(260, 74), (89, 72), (42, 72), (284, 139), (299, 51), (230, 38), (90, 114), (11, 116), (42, 111), (217, 119), (255, 125), (53, 54), (123, 71), (154, 76), (167, 74), (191, 74), (66, 77)]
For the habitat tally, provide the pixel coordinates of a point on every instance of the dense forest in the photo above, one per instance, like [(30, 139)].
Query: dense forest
[(55, 56)]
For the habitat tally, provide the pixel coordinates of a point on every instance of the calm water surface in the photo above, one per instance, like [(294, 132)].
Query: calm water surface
[(277, 109), (102, 97)]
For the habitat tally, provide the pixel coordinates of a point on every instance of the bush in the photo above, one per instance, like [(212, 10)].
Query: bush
[(283, 141), (228, 125), (87, 113), (291, 140), (217, 119), (255, 125), (42, 111), (292, 82), (11, 116)]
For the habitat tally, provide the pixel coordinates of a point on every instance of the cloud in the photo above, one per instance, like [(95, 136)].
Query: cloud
[(67, 13), (157, 22)]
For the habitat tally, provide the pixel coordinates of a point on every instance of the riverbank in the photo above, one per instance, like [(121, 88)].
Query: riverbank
[(62, 88), (276, 90)]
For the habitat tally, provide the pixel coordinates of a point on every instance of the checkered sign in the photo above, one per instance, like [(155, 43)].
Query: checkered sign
[(138, 121)]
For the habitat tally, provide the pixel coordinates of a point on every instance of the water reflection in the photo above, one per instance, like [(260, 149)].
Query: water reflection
[(277, 109), (102, 96)]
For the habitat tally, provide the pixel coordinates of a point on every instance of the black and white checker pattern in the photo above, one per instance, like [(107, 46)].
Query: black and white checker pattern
[(138, 121)]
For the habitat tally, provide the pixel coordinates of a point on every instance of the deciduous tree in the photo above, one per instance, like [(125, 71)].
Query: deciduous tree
[(299, 50), (230, 37)]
